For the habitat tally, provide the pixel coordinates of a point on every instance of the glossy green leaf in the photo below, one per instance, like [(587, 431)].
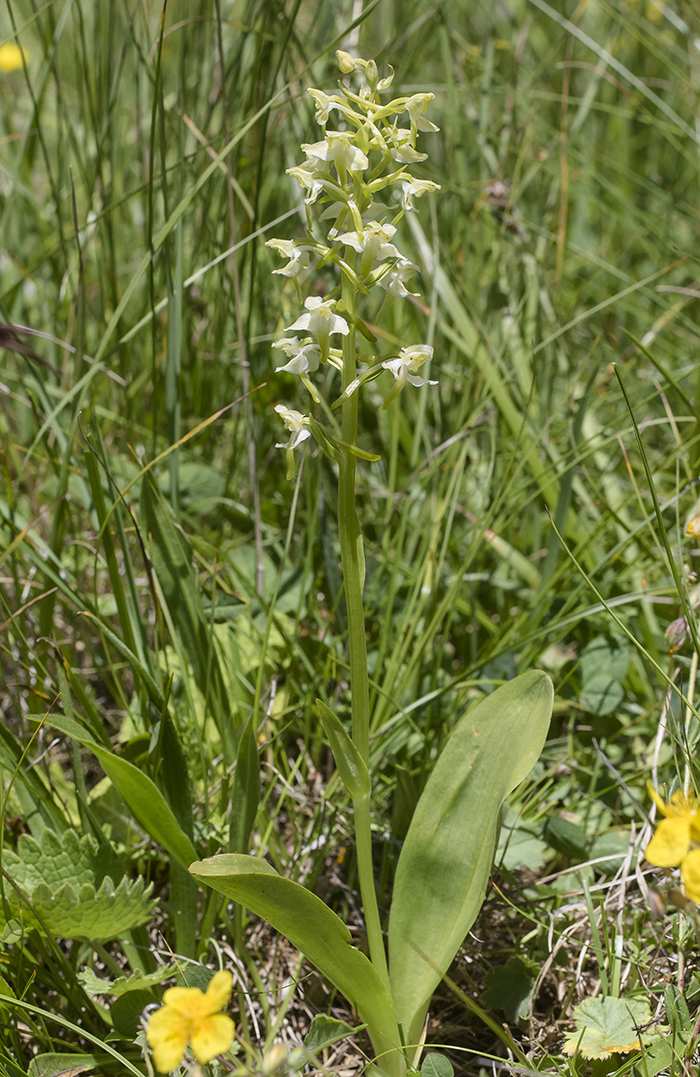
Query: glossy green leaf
[(445, 862), (318, 933), (351, 766), (142, 796)]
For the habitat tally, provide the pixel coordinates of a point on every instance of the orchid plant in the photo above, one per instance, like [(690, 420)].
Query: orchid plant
[(444, 864)]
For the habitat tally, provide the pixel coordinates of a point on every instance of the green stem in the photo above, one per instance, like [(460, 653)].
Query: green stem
[(352, 555)]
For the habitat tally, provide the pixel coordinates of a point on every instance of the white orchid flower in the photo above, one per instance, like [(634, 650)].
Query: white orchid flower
[(304, 359), (337, 148), (394, 281), (310, 177), (414, 189), (321, 321), (372, 243), (402, 149), (299, 257), (416, 107), (324, 104), (297, 425), (405, 369)]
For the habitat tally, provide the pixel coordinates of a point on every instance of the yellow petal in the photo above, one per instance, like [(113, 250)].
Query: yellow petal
[(10, 57), (167, 1034), (212, 1036), (670, 842), (218, 991), (189, 1001), (690, 870)]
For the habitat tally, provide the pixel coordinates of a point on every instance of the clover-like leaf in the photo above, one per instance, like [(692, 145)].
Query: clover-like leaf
[(605, 1026), (69, 890)]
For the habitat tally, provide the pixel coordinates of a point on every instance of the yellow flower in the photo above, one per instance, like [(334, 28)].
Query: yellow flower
[(189, 1015), (10, 57), (677, 833)]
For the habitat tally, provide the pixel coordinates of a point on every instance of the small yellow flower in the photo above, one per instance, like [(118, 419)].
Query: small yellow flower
[(10, 57), (677, 833), (189, 1015)]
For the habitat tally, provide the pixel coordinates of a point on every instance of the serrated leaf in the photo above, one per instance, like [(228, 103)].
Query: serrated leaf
[(57, 1065), (138, 981), (325, 1030), (509, 987), (68, 890), (605, 1026)]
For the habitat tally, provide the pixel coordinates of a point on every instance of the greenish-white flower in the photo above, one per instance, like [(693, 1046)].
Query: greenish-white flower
[(416, 107), (338, 148), (320, 321), (405, 369), (297, 425), (304, 357), (414, 189), (394, 281), (372, 242), (325, 103), (310, 178), (320, 318), (402, 149), (299, 257)]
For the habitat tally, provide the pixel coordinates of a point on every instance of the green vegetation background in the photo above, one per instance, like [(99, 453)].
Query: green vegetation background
[(162, 585)]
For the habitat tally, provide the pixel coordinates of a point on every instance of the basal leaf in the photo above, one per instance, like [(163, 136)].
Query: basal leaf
[(318, 933), (445, 862)]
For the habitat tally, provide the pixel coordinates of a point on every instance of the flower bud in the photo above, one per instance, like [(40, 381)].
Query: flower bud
[(346, 62)]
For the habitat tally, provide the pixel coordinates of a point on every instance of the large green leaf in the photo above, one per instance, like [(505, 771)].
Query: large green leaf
[(445, 862), (318, 933)]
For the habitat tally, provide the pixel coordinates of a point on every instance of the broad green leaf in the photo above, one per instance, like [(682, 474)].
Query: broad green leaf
[(126, 1012), (66, 882), (318, 933), (445, 862), (143, 797), (325, 1031), (435, 1065), (607, 1026), (351, 766), (56, 1065), (664, 1055), (566, 837), (603, 668), (509, 987)]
